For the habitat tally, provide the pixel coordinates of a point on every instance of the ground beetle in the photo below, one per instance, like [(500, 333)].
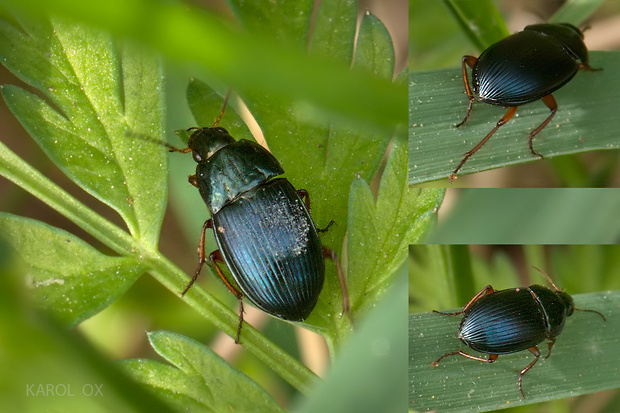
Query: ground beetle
[(263, 228), (508, 321), (523, 68)]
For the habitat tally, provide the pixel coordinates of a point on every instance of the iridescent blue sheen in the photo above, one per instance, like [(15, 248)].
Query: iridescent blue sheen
[(272, 249), (514, 320), (523, 68)]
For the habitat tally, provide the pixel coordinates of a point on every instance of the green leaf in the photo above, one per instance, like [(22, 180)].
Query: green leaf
[(98, 96), (238, 58), (145, 166), (459, 384), (46, 367), (435, 38), (384, 228), (335, 156), (69, 278), (584, 360), (377, 346), (576, 11), (479, 20), (317, 151), (286, 22), (199, 380), (334, 27), (375, 51), (585, 121), (441, 275)]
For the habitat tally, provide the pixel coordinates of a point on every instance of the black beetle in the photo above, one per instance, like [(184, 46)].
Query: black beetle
[(262, 226), (508, 321), (523, 68)]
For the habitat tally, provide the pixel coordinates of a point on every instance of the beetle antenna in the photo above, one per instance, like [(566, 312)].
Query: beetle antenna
[(557, 289), (590, 311), (219, 118), (151, 139), (172, 148), (546, 277)]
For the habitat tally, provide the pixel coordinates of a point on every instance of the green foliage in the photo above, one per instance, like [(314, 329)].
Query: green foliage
[(100, 98), (73, 290), (231, 56), (378, 345), (46, 367), (479, 20), (195, 381)]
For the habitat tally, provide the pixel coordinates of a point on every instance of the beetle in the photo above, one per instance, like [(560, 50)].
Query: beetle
[(262, 226), (507, 321), (523, 68)]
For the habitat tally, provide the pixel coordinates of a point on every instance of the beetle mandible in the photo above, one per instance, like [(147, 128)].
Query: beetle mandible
[(262, 225), (507, 321), (523, 68)]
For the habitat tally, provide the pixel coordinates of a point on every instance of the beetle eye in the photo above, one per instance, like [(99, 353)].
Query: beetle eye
[(196, 156)]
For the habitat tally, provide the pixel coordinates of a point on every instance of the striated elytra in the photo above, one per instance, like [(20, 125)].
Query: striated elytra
[(516, 319), (507, 321), (262, 226), (523, 68)]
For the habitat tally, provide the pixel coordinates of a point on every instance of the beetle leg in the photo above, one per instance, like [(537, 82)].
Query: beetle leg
[(469, 61), (534, 350), (329, 253), (587, 67), (550, 102), (201, 254), (214, 258), (241, 311), (319, 230), (192, 180), (501, 122), (303, 194), (436, 362), (485, 291), (491, 359), (550, 346)]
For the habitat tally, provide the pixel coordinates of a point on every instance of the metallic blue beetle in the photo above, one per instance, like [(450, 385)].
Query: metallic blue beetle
[(263, 228), (508, 321), (523, 68)]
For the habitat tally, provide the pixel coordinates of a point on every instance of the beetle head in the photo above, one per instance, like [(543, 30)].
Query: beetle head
[(204, 142), (569, 305)]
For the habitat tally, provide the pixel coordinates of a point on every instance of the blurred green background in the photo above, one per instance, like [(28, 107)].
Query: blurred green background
[(525, 215)]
